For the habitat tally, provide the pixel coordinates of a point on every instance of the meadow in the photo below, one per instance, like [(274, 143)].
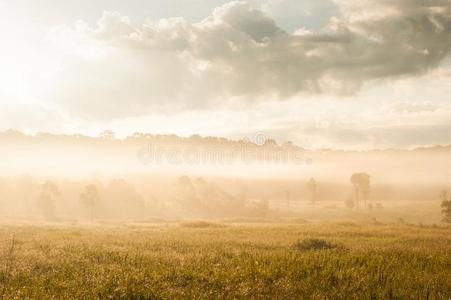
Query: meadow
[(205, 260)]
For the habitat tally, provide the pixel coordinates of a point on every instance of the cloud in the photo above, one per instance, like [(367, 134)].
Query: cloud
[(28, 116), (239, 53), (406, 130), (412, 108)]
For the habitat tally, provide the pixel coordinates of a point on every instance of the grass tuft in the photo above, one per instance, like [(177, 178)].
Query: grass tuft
[(314, 245)]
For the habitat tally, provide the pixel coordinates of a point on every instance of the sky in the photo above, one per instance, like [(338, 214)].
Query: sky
[(342, 74)]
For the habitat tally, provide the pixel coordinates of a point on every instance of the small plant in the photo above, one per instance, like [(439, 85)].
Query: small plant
[(314, 245)]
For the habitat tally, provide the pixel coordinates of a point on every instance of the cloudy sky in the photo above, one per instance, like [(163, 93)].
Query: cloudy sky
[(347, 74)]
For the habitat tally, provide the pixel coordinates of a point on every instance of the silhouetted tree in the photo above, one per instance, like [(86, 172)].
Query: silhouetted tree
[(46, 199), (90, 199), (446, 206), (361, 183), (108, 135), (270, 143), (312, 190)]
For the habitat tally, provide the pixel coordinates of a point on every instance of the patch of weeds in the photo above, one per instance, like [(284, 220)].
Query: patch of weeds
[(315, 245), (201, 224)]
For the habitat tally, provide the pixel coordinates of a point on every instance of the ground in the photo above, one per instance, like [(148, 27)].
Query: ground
[(205, 260)]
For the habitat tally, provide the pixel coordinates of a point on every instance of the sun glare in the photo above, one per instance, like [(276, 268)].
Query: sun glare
[(11, 76)]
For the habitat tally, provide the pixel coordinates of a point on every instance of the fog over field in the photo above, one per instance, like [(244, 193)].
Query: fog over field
[(144, 177)]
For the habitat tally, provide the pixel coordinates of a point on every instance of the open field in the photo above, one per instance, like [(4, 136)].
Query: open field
[(224, 260)]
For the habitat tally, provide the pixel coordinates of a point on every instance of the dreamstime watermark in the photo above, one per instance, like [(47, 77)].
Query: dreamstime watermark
[(260, 139), (257, 151)]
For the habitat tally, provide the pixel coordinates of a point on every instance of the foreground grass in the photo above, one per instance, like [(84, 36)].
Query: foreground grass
[(226, 261)]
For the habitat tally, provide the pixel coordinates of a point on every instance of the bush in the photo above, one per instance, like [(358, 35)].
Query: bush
[(314, 244)]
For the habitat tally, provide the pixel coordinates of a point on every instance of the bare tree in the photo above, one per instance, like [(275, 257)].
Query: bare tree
[(361, 183), (90, 199)]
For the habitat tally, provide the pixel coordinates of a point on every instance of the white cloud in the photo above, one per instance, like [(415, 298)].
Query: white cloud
[(118, 69)]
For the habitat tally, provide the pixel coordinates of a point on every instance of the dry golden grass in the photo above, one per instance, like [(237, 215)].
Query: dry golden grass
[(173, 261)]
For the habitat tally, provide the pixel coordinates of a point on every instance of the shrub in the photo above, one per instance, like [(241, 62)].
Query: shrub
[(314, 244)]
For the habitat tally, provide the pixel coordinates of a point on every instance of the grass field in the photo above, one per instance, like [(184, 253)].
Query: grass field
[(211, 260)]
